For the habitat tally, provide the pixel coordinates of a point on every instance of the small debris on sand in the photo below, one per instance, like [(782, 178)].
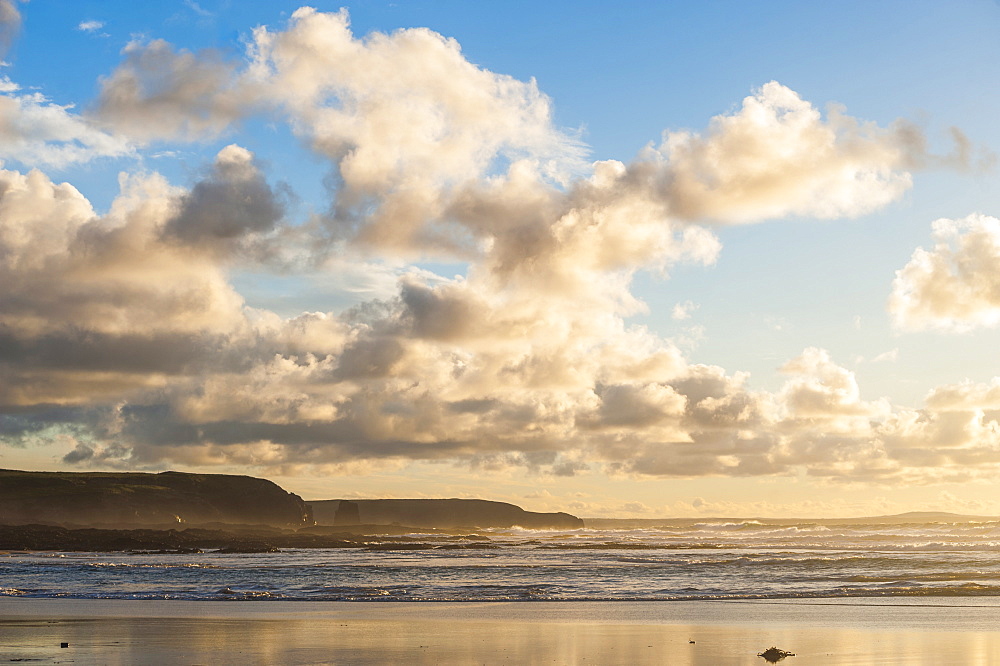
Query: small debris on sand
[(773, 655)]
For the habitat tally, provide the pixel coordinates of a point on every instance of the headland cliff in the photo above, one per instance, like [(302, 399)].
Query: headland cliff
[(136, 499), (438, 513)]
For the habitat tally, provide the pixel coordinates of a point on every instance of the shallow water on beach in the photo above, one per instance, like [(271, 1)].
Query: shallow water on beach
[(742, 560), (699, 633)]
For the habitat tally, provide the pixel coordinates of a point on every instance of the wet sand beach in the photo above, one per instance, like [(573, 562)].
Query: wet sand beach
[(856, 631)]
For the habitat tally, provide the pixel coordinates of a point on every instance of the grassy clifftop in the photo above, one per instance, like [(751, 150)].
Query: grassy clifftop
[(136, 499)]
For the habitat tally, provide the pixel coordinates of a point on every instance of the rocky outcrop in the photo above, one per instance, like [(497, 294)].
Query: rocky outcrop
[(439, 513), (139, 499), (347, 513), (230, 540)]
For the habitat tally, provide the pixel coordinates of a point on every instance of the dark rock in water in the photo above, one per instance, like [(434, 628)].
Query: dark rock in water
[(354, 531), (773, 655), (442, 514), (137, 499), (242, 540), (249, 549), (347, 513)]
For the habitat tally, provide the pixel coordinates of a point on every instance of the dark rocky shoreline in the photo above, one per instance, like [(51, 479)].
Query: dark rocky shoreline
[(238, 539)]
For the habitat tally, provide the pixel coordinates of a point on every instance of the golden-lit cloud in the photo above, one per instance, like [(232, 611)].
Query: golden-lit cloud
[(778, 156), (123, 333), (161, 93), (10, 24), (955, 286)]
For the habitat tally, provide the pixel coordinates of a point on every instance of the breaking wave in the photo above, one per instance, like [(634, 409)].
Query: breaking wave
[(738, 560)]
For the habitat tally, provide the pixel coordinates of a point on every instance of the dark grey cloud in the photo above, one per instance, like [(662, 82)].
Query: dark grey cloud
[(169, 353), (232, 202), (369, 358), (80, 453)]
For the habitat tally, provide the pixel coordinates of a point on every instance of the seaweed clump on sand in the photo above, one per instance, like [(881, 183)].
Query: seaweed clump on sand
[(773, 655)]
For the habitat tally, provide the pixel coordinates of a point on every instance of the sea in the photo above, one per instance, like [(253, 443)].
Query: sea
[(723, 560)]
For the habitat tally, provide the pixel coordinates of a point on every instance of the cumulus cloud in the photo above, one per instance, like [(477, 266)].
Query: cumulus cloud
[(820, 388), (102, 303), (231, 207), (404, 118), (436, 156), (10, 24), (778, 156), (130, 324), (162, 93), (346, 96), (954, 286), (36, 132)]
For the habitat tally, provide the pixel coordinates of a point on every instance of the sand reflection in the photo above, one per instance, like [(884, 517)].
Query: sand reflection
[(442, 634)]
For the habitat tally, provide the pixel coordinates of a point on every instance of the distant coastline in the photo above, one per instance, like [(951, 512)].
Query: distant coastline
[(177, 500), (911, 517)]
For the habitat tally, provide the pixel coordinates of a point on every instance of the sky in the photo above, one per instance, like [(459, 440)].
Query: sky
[(690, 259)]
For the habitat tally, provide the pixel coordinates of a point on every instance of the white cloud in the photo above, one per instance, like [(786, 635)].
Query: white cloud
[(128, 326), (90, 26), (955, 286), (683, 310), (777, 156), (415, 127), (36, 132)]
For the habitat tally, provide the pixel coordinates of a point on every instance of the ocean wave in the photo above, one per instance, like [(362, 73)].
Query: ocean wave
[(537, 533), (729, 526), (930, 577), (630, 545), (709, 561), (230, 593), (129, 565), (529, 594)]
